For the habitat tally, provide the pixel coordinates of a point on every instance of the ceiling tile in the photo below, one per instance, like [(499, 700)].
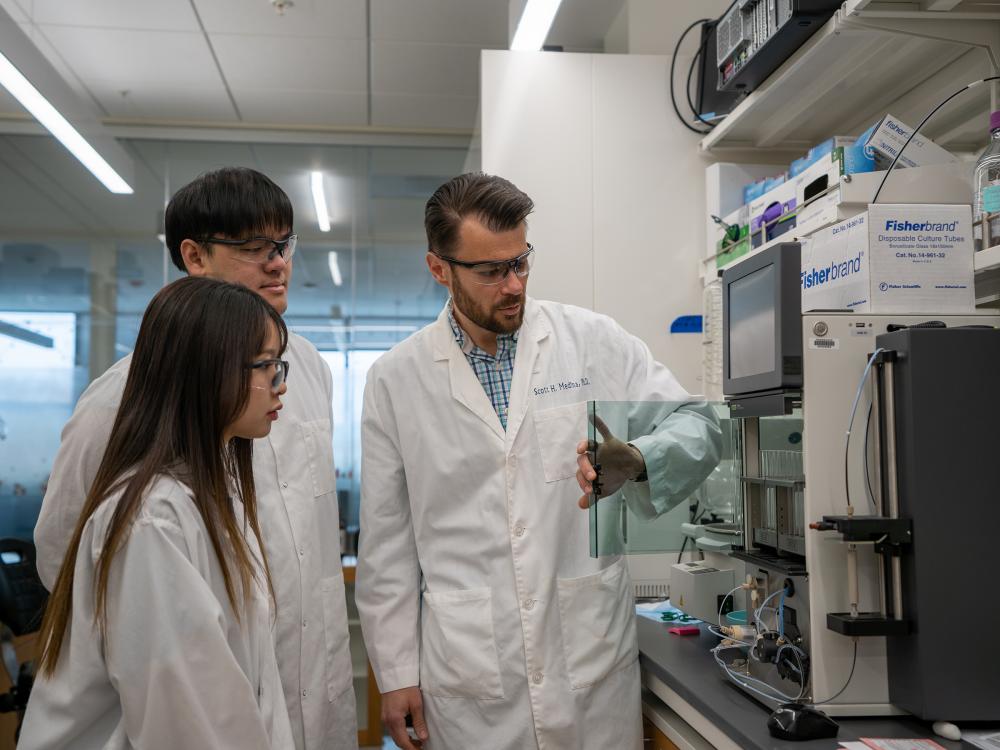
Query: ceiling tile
[(37, 36), (162, 15), (438, 69), (340, 19), (287, 107), (472, 22), (137, 60), (313, 64), (405, 111), (166, 103), (14, 10)]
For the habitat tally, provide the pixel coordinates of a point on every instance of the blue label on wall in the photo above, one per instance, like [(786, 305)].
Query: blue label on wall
[(686, 324)]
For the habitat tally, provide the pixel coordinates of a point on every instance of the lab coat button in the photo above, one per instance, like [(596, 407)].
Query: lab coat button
[(537, 678), (529, 604), (284, 485), (519, 530), (303, 623), (303, 693)]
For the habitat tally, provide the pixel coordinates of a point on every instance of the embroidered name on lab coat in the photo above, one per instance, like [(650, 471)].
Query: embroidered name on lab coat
[(563, 385)]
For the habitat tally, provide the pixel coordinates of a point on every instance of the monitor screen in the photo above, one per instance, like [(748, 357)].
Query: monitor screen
[(751, 323)]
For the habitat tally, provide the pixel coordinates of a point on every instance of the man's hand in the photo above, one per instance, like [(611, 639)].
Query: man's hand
[(618, 460), (396, 705)]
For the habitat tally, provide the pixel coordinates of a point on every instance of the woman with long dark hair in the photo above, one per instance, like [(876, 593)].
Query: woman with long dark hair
[(158, 630)]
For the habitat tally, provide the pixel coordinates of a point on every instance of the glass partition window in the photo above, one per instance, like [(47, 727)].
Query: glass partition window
[(633, 519), (78, 267)]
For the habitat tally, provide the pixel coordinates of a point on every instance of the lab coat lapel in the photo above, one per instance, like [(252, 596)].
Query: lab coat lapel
[(533, 343), (465, 386)]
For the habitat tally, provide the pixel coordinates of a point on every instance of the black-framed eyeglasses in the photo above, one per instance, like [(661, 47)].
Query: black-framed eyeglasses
[(494, 272), (280, 372), (259, 250)]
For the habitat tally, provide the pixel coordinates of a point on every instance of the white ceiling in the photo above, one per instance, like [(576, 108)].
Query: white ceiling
[(407, 64)]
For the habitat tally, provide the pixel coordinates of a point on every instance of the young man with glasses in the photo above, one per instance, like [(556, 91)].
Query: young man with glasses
[(235, 224), (485, 618)]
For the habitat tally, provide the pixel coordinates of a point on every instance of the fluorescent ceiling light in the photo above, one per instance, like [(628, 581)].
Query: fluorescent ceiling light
[(319, 201), (39, 107), (533, 28), (331, 260)]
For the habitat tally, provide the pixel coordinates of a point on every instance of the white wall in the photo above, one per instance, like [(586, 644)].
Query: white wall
[(618, 185)]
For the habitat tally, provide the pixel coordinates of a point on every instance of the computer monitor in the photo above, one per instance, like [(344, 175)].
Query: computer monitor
[(762, 322)]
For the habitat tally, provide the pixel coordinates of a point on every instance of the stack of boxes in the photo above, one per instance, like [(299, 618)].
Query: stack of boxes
[(807, 198), (915, 256)]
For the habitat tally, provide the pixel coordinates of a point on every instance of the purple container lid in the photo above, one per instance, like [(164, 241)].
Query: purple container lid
[(994, 120)]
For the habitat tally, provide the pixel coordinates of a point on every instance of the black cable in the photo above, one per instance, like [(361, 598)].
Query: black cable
[(687, 89), (922, 123), (868, 479), (673, 63), (854, 663)]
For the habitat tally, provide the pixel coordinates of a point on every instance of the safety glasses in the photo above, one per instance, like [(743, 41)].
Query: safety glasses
[(280, 372), (258, 250), (493, 273)]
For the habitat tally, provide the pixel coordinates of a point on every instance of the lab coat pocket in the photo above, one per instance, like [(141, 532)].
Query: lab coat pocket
[(458, 657), (598, 624), (339, 672), (317, 440), (559, 429)]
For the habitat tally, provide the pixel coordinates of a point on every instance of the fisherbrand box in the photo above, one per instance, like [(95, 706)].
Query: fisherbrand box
[(897, 258)]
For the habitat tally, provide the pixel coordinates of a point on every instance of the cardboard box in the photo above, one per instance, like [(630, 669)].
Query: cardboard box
[(887, 136), (894, 258)]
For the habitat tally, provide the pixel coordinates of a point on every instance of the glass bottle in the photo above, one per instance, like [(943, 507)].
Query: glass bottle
[(986, 185)]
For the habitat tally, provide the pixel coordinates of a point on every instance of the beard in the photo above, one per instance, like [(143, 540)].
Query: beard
[(488, 317)]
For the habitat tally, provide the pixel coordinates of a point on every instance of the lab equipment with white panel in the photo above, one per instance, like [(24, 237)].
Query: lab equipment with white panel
[(891, 468)]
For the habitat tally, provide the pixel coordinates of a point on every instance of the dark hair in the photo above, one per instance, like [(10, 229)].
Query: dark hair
[(187, 382), (496, 202), (233, 202)]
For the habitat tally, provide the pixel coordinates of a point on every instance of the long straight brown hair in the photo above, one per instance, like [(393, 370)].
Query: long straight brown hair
[(188, 381)]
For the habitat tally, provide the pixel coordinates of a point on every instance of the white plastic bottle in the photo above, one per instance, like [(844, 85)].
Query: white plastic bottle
[(986, 184)]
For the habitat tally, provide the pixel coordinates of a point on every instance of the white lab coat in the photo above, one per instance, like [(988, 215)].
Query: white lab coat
[(520, 639), (300, 523), (179, 669)]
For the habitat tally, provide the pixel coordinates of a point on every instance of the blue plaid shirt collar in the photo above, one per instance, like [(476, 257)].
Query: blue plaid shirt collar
[(506, 342), (495, 373)]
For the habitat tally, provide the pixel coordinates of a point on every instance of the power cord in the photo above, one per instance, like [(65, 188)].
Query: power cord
[(924, 122), (854, 663)]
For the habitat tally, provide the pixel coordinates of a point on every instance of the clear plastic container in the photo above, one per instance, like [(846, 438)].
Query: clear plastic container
[(986, 185)]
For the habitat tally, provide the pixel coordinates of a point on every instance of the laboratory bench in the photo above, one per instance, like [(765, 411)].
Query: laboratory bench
[(689, 701)]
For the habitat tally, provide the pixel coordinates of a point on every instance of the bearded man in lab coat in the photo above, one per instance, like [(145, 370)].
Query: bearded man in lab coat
[(235, 224), (486, 620)]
